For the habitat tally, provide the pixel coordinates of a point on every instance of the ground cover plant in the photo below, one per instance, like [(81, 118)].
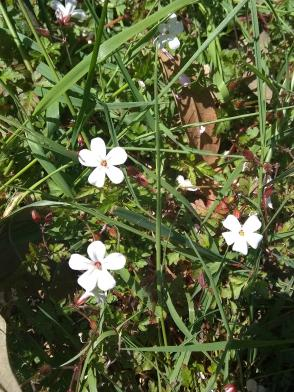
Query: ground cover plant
[(146, 197)]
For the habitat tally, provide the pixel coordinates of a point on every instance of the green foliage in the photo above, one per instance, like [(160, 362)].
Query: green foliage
[(187, 312)]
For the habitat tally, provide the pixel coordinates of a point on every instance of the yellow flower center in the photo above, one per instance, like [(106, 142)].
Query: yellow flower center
[(241, 233)]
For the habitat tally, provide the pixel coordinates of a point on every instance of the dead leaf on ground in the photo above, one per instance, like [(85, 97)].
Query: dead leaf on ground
[(195, 104)]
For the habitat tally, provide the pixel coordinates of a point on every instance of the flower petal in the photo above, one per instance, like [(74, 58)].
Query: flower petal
[(252, 224), (161, 41), (231, 223), (177, 28), (79, 14), (240, 245), (78, 262), (99, 148), (98, 294), (163, 28), (229, 236), (88, 280), (96, 251), (70, 5), (116, 156), (253, 239), (174, 43), (114, 174), (56, 5), (105, 280), (88, 158), (114, 261), (97, 177)]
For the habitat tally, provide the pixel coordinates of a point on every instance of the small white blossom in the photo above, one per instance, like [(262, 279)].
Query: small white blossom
[(96, 275), (241, 235), (104, 164), (202, 129), (186, 184), (206, 68), (168, 33), (141, 84), (65, 13)]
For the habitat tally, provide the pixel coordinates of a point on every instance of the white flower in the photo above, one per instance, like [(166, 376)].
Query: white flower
[(98, 294), (202, 129), (104, 164), (241, 235), (186, 184), (206, 68), (168, 33), (141, 84), (96, 268), (65, 13)]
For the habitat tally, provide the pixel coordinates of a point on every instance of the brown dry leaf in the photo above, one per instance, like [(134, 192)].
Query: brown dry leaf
[(249, 77), (195, 105)]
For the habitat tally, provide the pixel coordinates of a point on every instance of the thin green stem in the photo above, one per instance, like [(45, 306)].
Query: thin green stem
[(38, 183), (213, 287), (23, 170), (83, 111), (260, 94), (15, 38), (159, 280)]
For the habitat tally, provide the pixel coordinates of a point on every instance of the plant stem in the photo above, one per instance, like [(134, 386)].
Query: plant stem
[(23, 170), (213, 287), (159, 280), (15, 38), (91, 72)]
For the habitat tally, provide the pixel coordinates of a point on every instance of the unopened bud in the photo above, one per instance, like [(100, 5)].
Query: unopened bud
[(230, 388), (36, 217)]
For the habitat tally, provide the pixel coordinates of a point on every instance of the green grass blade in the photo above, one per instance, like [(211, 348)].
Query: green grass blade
[(106, 49)]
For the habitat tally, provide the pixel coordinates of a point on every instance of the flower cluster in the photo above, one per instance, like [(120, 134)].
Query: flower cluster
[(96, 280)]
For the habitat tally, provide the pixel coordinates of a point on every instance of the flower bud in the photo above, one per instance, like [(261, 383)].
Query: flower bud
[(36, 217), (230, 388)]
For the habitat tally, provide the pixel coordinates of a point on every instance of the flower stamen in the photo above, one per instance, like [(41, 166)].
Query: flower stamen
[(98, 265), (241, 233), (103, 163)]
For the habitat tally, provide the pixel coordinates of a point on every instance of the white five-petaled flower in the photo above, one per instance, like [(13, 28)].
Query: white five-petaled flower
[(186, 184), (96, 268), (242, 235), (65, 13), (168, 33), (98, 294), (104, 164)]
